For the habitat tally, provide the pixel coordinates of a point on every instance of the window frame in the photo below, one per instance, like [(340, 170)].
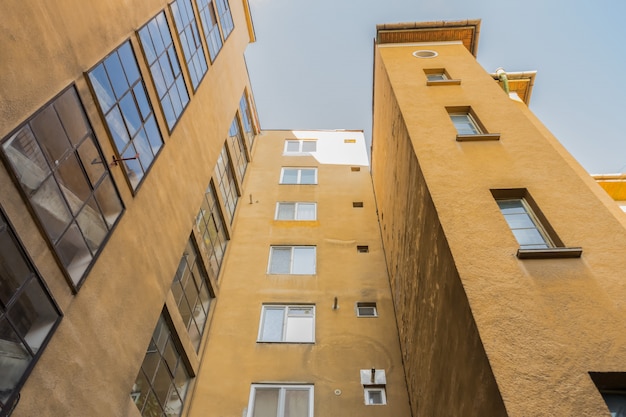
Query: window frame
[(213, 214), (372, 389), (480, 131), (298, 176), (281, 396), (207, 10), (285, 322), (301, 143), (74, 152), (227, 184), (13, 301), (196, 75), (296, 204), (291, 259), (439, 76), (366, 305)]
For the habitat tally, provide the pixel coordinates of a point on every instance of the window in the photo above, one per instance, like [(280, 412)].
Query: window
[(437, 75), (192, 293), (28, 316), (298, 176), (296, 211), (616, 402), (295, 260), (190, 40), (287, 323), (213, 237), (269, 400), (210, 28), (226, 19), (355, 169), (66, 180), (524, 225), (246, 118), (162, 382), (366, 309), (226, 183), (375, 396), (238, 147), (362, 249), (465, 124), (612, 387), (357, 204), (300, 146), (158, 47), (124, 104)]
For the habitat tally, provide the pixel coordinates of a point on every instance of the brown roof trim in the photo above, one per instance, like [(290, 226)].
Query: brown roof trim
[(466, 31)]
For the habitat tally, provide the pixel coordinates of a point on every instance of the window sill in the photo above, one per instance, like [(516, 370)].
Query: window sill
[(550, 253), (478, 137), (443, 82)]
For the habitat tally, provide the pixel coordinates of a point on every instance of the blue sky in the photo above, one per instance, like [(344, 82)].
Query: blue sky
[(311, 67)]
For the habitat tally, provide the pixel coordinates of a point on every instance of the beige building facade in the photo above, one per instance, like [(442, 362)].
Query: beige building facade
[(505, 258)]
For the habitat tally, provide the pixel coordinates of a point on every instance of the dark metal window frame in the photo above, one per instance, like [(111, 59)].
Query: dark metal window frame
[(75, 286), (247, 121), (208, 14), (7, 407), (240, 161), (130, 145), (227, 182), (225, 17), (192, 48), (214, 214)]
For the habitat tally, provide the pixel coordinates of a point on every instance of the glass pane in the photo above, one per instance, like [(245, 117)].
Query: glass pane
[(71, 114), (142, 146), (91, 160), (14, 269), (306, 211), (375, 397), (73, 182), (307, 176), (151, 408), (155, 34), (116, 75), (286, 211), (33, 315), (519, 221), (109, 201), (265, 402), (280, 260), (154, 135), (303, 260), (140, 391), (290, 176), (51, 208), (299, 329), (527, 237), (134, 172), (102, 87), (296, 402), (27, 159), (131, 113), (146, 44), (129, 63), (142, 100), (151, 361), (162, 382), (117, 129), (616, 404), (511, 206), (73, 252), (92, 225), (171, 356), (273, 318), (293, 146), (50, 134), (309, 146), (14, 360)]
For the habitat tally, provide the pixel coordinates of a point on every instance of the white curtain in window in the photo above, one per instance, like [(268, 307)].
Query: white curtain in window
[(303, 260)]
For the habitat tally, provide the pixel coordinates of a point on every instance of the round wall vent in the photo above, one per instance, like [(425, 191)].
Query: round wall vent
[(425, 54)]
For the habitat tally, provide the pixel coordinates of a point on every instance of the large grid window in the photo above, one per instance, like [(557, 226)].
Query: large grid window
[(28, 316), (226, 183), (298, 176), (272, 400), (211, 225), (226, 19), (287, 323), (295, 211), (158, 47), (296, 260), (246, 119), (238, 147), (190, 40), (524, 224), (162, 382), (123, 101), (192, 293), (209, 27), (66, 181)]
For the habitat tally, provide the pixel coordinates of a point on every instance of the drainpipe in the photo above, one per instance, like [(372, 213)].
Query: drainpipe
[(502, 77)]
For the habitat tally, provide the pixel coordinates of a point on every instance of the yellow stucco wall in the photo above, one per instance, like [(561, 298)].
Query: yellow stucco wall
[(543, 324), (91, 362), (344, 344)]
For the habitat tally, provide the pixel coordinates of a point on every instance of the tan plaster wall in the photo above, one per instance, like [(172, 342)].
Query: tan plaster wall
[(344, 344), (544, 324), (91, 362)]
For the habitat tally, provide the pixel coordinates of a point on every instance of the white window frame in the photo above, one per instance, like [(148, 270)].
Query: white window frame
[(471, 121), (281, 396), (299, 176), (301, 144), (291, 259), (366, 305), (381, 390), (297, 205), (287, 320), (436, 76)]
